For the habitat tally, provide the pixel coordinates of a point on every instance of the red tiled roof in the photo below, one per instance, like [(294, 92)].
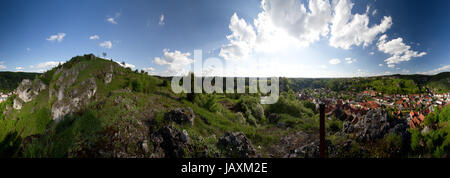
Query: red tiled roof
[(421, 117), (411, 124), (416, 120)]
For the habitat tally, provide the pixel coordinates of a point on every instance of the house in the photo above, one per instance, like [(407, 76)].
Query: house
[(421, 117)]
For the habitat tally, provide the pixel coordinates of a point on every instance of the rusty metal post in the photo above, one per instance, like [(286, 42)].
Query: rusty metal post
[(322, 146)]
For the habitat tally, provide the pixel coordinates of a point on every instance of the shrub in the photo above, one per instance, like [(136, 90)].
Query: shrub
[(252, 108), (334, 125), (288, 104), (207, 101), (137, 85)]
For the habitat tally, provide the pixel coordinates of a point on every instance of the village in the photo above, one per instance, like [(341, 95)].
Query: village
[(354, 105)]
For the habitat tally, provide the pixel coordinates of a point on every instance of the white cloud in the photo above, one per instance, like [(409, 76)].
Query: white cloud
[(19, 69), (48, 64), (438, 70), (149, 69), (2, 66), (161, 20), (58, 37), (44, 66), (241, 40), (106, 44), (176, 62), (291, 23), (292, 17), (281, 24), (285, 26), (400, 51), (113, 20), (335, 61), (348, 29), (350, 60), (374, 12), (28, 49), (126, 65), (380, 65), (94, 37)]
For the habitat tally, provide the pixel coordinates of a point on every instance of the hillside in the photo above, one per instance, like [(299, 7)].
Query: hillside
[(10, 80), (389, 84), (92, 107)]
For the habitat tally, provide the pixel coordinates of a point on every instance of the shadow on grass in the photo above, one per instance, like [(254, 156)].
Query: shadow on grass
[(10, 145)]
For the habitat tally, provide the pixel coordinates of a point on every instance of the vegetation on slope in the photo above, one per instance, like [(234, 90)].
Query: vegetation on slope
[(10, 80), (395, 84), (124, 112)]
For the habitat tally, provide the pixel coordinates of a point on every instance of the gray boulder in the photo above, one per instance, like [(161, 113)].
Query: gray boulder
[(237, 144), (181, 116), (376, 124), (27, 91), (173, 141)]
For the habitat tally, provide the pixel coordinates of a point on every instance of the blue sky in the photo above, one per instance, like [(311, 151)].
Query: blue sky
[(249, 38)]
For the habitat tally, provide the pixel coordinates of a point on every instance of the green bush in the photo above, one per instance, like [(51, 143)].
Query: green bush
[(137, 85), (334, 125), (207, 101), (436, 142), (288, 104), (252, 109)]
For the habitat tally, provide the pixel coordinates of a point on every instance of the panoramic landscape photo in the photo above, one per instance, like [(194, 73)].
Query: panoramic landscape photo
[(224, 79)]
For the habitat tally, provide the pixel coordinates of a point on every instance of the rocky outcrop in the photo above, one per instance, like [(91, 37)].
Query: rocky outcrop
[(171, 141), (17, 104), (109, 75), (311, 150), (237, 144), (375, 125), (27, 91), (181, 116), (67, 98)]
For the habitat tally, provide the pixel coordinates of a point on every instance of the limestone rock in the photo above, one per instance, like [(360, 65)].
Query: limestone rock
[(27, 91), (172, 141), (181, 116), (238, 144)]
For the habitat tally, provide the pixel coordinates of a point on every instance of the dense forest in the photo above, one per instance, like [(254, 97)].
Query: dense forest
[(10, 80)]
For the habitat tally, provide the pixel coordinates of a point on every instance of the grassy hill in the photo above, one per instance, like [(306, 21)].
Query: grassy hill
[(92, 107), (125, 112), (10, 80)]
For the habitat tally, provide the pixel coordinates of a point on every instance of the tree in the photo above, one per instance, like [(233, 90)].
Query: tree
[(104, 55)]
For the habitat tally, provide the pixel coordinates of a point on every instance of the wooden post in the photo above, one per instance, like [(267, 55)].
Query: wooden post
[(322, 146)]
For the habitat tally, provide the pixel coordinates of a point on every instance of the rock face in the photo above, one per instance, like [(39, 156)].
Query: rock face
[(17, 104), (375, 125), (238, 144), (28, 90), (109, 75), (311, 150), (66, 98), (181, 116), (172, 141)]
